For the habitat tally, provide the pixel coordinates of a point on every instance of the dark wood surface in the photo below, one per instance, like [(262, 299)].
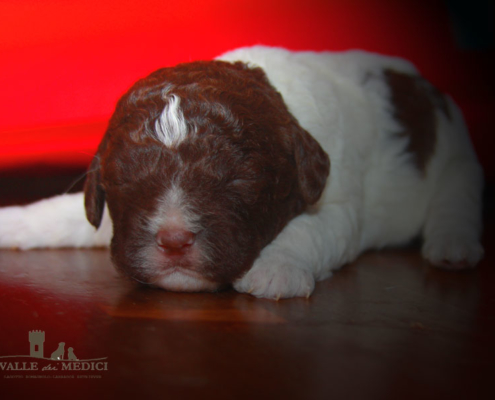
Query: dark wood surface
[(387, 326)]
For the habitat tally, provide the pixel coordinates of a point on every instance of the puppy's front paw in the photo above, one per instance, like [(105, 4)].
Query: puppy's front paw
[(453, 252), (276, 279)]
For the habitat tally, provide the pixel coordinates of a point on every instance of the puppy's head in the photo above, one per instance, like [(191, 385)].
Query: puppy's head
[(202, 165)]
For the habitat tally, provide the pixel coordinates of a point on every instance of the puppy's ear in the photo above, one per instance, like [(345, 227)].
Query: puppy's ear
[(313, 165), (94, 195)]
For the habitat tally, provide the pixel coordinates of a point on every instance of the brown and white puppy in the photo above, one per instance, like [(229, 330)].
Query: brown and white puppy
[(218, 172)]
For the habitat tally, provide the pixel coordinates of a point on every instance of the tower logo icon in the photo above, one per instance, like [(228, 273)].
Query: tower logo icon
[(36, 340)]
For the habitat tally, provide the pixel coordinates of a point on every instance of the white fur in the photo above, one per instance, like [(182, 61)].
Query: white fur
[(51, 223), (171, 127), (375, 195)]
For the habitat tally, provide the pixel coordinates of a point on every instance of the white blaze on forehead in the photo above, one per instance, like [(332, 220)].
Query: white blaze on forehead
[(171, 127)]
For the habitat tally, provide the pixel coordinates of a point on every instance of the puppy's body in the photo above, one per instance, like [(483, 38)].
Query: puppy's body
[(401, 166)]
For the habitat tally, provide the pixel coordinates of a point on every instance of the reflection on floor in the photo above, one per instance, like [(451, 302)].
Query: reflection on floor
[(385, 327)]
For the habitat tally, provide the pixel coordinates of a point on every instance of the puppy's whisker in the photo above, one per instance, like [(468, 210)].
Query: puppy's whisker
[(140, 281), (76, 181)]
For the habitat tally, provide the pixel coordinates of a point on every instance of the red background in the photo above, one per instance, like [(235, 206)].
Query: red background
[(64, 63)]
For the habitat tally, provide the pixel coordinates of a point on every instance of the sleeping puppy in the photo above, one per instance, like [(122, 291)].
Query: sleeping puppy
[(268, 170)]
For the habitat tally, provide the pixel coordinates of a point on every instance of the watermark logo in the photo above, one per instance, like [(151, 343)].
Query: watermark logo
[(60, 360)]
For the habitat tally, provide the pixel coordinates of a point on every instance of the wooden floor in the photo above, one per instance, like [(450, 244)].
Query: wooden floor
[(385, 327)]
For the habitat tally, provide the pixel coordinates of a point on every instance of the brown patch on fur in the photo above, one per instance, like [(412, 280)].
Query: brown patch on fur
[(415, 101)]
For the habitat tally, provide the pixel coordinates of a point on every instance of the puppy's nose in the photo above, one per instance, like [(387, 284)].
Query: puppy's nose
[(175, 240)]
